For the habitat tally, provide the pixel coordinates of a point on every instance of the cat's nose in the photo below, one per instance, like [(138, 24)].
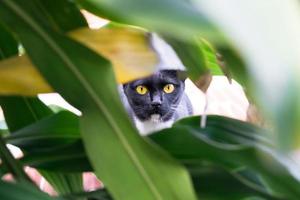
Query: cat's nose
[(156, 103)]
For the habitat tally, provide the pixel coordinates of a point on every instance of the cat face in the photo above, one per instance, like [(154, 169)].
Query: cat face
[(156, 96)]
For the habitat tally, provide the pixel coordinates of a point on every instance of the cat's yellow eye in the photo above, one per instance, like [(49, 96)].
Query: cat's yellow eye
[(141, 89), (169, 88)]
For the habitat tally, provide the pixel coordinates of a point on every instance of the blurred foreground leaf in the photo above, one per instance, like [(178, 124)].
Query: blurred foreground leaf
[(268, 42), (171, 17), (199, 58), (105, 128), (20, 112)]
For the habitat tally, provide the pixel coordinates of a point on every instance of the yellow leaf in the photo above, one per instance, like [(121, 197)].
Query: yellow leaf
[(19, 77), (127, 48)]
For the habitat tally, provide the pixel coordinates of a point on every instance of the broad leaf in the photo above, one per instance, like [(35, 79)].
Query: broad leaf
[(172, 17), (128, 49), (30, 110), (19, 112), (199, 58), (8, 44), (106, 129), (231, 145), (9, 191), (268, 43), (225, 142), (18, 77), (46, 134), (214, 183), (70, 158)]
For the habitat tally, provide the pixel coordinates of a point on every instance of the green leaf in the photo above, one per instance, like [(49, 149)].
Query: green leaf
[(172, 17), (213, 183), (210, 55), (224, 134), (21, 111), (8, 44), (9, 191), (267, 42), (64, 15), (51, 132), (230, 148), (226, 142), (64, 183), (238, 70), (191, 55), (100, 194), (199, 57), (106, 129), (70, 158)]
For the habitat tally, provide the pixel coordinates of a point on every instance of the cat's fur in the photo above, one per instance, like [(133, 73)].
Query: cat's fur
[(156, 109)]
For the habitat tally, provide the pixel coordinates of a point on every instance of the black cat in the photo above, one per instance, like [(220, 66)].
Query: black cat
[(157, 101)]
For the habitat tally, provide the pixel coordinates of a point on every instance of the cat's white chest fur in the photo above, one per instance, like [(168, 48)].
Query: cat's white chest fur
[(152, 125)]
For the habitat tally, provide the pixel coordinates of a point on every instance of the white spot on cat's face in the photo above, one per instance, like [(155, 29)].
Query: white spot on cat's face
[(156, 118), (150, 126)]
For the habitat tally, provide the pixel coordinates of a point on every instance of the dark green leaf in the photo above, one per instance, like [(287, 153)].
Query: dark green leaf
[(199, 58), (74, 71), (8, 44), (100, 194), (225, 142), (64, 183), (22, 111), (231, 149), (213, 183), (9, 191), (64, 15), (191, 55), (70, 158), (51, 132)]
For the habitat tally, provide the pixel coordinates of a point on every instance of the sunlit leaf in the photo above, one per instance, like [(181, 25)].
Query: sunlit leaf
[(19, 77), (127, 48)]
